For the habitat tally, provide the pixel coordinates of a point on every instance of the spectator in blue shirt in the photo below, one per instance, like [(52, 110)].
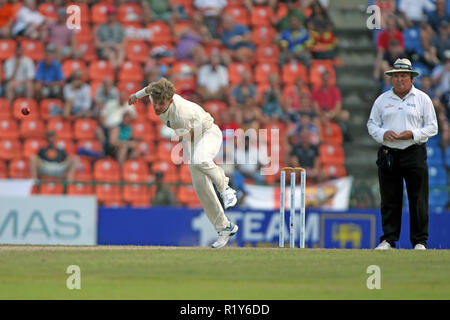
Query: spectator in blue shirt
[(435, 17), (49, 76), (243, 91), (237, 38), (295, 41)]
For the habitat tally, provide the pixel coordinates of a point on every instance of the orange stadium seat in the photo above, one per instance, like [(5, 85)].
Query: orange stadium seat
[(19, 169), (48, 10), (180, 26), (334, 171), (31, 128), (51, 188), (135, 171), (90, 145), (333, 136), (107, 169), (142, 130), (137, 195), (316, 69), (130, 13), (9, 129), (109, 194), (267, 53), (5, 109), (261, 16), (137, 51), (31, 146), (88, 50), (263, 35), (260, 89), (293, 70), (94, 86), (98, 12), (46, 105), (84, 34), (10, 149), (84, 170), (215, 108), (100, 69), (159, 33), (169, 170), (7, 48), (80, 189), (71, 65), (147, 149), (239, 14), (3, 172), (62, 128), (131, 71), (187, 197), (185, 174), (151, 115), (67, 145), (141, 108), (33, 49), (129, 87), (85, 129), (235, 70), (331, 154), (20, 103), (262, 71), (164, 150), (282, 11)]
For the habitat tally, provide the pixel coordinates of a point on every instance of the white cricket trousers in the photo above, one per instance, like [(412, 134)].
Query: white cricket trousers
[(204, 172)]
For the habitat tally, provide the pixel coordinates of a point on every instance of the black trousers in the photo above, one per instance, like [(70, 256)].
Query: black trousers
[(409, 165)]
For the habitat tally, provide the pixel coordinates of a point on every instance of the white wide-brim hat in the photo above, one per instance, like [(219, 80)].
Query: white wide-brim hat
[(402, 65)]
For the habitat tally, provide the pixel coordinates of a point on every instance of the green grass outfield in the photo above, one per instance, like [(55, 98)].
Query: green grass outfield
[(128, 272)]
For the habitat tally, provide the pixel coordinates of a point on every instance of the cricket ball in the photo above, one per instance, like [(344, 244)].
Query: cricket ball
[(26, 111)]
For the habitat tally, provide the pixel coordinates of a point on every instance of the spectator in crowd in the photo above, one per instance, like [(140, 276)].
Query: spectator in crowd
[(306, 123), (295, 42), (212, 79), (436, 17), (211, 11), (246, 89), (121, 139), (329, 101), (395, 52), (323, 45), (292, 11), (440, 42), (306, 155), (319, 17), (271, 99), (160, 10), (390, 32), (19, 74), (158, 65), (110, 40), (413, 11), (292, 99), (49, 76), (252, 116), (105, 92), (191, 40), (29, 22), (440, 75), (51, 161), (250, 4), (62, 37), (6, 19), (237, 38), (249, 161), (77, 96), (163, 195)]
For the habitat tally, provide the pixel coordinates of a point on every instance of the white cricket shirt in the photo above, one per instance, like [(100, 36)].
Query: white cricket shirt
[(415, 112), (184, 115)]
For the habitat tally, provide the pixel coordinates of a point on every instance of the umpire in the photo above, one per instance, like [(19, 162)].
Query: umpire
[(401, 120)]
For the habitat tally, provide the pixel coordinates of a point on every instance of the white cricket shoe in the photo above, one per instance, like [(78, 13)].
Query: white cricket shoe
[(225, 235), (419, 246), (384, 246), (229, 197)]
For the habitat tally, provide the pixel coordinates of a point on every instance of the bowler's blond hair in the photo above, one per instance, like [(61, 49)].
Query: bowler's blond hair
[(161, 90)]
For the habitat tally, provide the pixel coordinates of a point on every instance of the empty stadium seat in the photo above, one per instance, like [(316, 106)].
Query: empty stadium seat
[(80, 189), (7, 48), (215, 107), (412, 40), (239, 14), (262, 71), (91, 145), (333, 136), (10, 148), (331, 154), (33, 49), (137, 51), (19, 169), (159, 33), (62, 128), (131, 71), (261, 16), (98, 12), (317, 68), (9, 129), (142, 130), (437, 175), (187, 197), (51, 188), (20, 103), (48, 10), (129, 87), (5, 109), (434, 155), (3, 172), (109, 194), (263, 35), (67, 145), (235, 70), (147, 150), (107, 169), (130, 13), (169, 170), (334, 171), (31, 146), (292, 71), (185, 174), (267, 53), (138, 195), (87, 48), (85, 129), (69, 66), (31, 128), (135, 170), (100, 69)]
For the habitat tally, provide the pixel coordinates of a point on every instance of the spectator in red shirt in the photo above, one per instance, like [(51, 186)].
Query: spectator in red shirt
[(329, 101), (391, 32)]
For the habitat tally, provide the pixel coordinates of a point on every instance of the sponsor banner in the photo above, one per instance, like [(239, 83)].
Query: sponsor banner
[(171, 226), (331, 195), (15, 187), (52, 220)]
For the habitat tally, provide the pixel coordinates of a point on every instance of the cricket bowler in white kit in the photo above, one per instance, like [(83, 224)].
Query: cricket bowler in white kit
[(185, 116)]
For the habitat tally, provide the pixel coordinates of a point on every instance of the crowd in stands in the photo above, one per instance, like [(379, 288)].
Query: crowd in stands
[(253, 64), (420, 31)]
